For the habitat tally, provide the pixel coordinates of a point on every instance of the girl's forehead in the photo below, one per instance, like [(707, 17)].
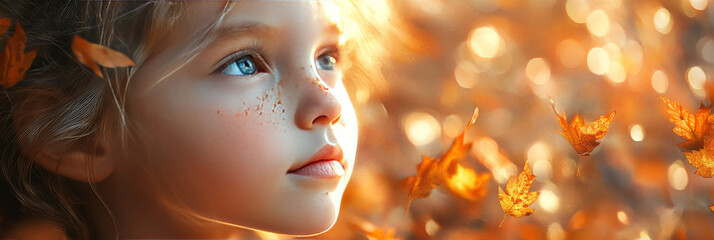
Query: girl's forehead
[(205, 22)]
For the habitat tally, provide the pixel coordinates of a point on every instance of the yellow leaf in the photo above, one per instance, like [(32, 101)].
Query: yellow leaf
[(703, 159), (516, 199)]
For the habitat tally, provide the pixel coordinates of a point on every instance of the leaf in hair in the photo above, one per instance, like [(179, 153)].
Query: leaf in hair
[(14, 62), (92, 55)]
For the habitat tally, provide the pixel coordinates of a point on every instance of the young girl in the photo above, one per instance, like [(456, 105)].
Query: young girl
[(234, 116)]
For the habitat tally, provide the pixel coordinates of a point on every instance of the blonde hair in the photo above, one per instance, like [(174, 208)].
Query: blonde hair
[(59, 101)]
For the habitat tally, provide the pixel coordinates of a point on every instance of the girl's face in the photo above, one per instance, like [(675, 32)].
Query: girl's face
[(257, 129)]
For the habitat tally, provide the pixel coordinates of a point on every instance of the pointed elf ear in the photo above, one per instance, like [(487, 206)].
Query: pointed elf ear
[(74, 158)]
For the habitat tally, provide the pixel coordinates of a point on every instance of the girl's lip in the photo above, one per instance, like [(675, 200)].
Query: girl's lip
[(321, 169), (326, 162)]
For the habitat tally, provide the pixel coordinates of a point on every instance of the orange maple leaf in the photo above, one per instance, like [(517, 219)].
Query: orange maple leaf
[(692, 127), (516, 199), (703, 159), (583, 137), (91, 54), (14, 62), (433, 172)]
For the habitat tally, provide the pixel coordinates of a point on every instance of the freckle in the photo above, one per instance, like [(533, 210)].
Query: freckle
[(283, 112), (218, 112), (260, 113)]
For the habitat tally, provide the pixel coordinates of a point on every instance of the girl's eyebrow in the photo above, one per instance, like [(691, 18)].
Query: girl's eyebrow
[(238, 30)]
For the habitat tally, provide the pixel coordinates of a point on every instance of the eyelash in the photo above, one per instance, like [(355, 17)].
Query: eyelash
[(256, 53), (253, 52)]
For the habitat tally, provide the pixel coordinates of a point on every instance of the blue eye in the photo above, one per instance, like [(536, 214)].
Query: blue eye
[(327, 61), (244, 65)]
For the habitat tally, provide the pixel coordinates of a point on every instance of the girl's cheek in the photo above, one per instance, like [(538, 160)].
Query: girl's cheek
[(266, 108)]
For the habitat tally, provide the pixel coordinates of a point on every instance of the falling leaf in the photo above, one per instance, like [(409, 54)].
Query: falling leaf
[(711, 208), (467, 184), (703, 159), (692, 127), (583, 136), (433, 172), (14, 62), (91, 54), (516, 199)]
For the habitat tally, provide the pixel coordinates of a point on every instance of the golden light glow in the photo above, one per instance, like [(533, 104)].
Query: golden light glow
[(677, 175), (538, 71), (616, 72), (598, 61), (453, 125), (598, 23), (644, 235), (699, 4), (696, 77), (431, 227), (570, 53), (485, 42), (577, 10), (421, 128), (660, 82), (466, 74), (637, 133), (662, 21), (548, 201), (555, 232), (622, 217), (487, 152), (705, 49)]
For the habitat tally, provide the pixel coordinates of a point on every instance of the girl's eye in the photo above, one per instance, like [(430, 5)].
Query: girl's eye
[(245, 65), (327, 61)]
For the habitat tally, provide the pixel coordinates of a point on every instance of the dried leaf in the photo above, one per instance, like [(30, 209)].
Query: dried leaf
[(583, 137), (14, 62), (516, 199), (703, 159), (692, 127), (4, 25), (91, 54), (433, 172)]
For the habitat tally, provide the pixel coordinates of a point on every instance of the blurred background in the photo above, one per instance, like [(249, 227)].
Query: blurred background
[(508, 58)]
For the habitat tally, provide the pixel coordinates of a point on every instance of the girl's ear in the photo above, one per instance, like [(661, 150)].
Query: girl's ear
[(73, 158)]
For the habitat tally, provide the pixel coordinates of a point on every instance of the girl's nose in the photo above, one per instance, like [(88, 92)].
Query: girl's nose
[(318, 105)]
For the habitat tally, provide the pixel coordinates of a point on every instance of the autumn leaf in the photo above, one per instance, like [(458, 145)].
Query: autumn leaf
[(703, 159), (91, 54), (4, 25), (433, 172), (14, 62), (692, 127), (583, 137), (516, 199), (468, 184), (711, 208)]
